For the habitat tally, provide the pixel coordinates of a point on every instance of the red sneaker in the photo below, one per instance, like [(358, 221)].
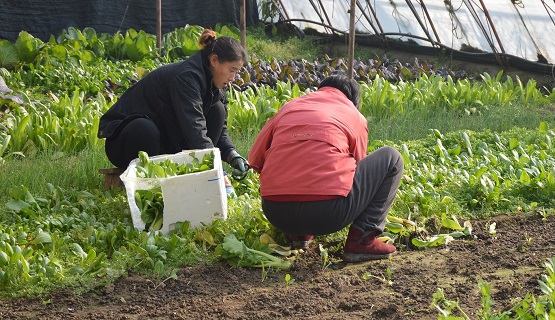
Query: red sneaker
[(358, 249), (301, 242)]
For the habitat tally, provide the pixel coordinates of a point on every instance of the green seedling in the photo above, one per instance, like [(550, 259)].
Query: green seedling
[(527, 238), (367, 276), (288, 280), (264, 273), (447, 308), (159, 269), (389, 272)]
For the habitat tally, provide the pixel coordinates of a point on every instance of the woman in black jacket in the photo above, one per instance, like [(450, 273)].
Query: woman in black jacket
[(180, 106)]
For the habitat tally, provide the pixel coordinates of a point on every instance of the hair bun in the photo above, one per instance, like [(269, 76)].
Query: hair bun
[(207, 37)]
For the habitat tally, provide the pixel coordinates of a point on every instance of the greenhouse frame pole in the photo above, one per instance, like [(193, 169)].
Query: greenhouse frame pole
[(367, 18), (325, 14), (377, 21), (283, 14), (547, 8), (315, 7), (350, 63), (243, 23), (159, 26), (422, 25), (484, 32), (488, 17), (421, 2)]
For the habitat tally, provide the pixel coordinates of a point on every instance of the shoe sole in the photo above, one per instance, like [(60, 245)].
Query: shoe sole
[(361, 257)]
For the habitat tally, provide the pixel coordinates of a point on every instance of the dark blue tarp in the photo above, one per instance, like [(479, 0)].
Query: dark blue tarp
[(49, 17)]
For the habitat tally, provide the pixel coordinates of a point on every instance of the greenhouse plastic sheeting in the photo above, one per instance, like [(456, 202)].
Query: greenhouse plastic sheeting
[(522, 28), (44, 18)]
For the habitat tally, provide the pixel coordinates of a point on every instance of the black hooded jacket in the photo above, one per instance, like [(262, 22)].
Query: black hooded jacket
[(177, 98)]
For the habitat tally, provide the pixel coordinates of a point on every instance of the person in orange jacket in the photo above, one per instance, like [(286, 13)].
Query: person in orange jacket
[(316, 177)]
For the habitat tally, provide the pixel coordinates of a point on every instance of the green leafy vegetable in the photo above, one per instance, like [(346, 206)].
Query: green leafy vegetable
[(151, 205), (8, 55), (167, 168), (151, 202), (236, 253)]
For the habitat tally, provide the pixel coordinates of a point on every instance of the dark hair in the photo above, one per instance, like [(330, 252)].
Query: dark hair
[(349, 87), (225, 48)]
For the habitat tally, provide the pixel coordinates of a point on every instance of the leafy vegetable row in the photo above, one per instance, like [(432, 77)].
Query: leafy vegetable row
[(79, 47)]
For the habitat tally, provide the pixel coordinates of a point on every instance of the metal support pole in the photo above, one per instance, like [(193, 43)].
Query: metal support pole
[(375, 15), (367, 17), (377, 21), (547, 8), (325, 13), (318, 12), (421, 2), (506, 62), (281, 10), (415, 14), (479, 22)]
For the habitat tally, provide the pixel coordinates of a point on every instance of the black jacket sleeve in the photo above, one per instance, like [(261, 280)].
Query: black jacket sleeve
[(224, 143)]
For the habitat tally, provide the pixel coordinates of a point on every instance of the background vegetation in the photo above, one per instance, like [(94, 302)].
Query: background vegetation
[(473, 147)]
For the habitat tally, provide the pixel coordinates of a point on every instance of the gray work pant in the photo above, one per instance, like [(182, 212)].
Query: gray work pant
[(375, 185)]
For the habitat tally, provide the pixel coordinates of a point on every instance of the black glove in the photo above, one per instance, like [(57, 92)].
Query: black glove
[(240, 166)]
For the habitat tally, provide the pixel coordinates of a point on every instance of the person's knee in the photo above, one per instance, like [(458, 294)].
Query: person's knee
[(144, 133), (391, 153), (141, 135), (142, 128), (396, 158)]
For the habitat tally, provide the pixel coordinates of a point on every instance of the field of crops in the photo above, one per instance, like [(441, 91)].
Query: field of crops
[(476, 147)]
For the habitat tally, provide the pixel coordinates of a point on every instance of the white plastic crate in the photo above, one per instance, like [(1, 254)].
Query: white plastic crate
[(195, 197)]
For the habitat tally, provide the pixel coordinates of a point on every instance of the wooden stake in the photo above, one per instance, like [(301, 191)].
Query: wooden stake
[(350, 63), (243, 23), (159, 26)]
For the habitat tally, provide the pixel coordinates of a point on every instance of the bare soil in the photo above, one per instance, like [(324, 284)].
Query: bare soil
[(511, 261)]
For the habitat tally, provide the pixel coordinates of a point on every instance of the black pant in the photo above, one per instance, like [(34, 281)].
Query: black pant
[(375, 185), (142, 134)]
